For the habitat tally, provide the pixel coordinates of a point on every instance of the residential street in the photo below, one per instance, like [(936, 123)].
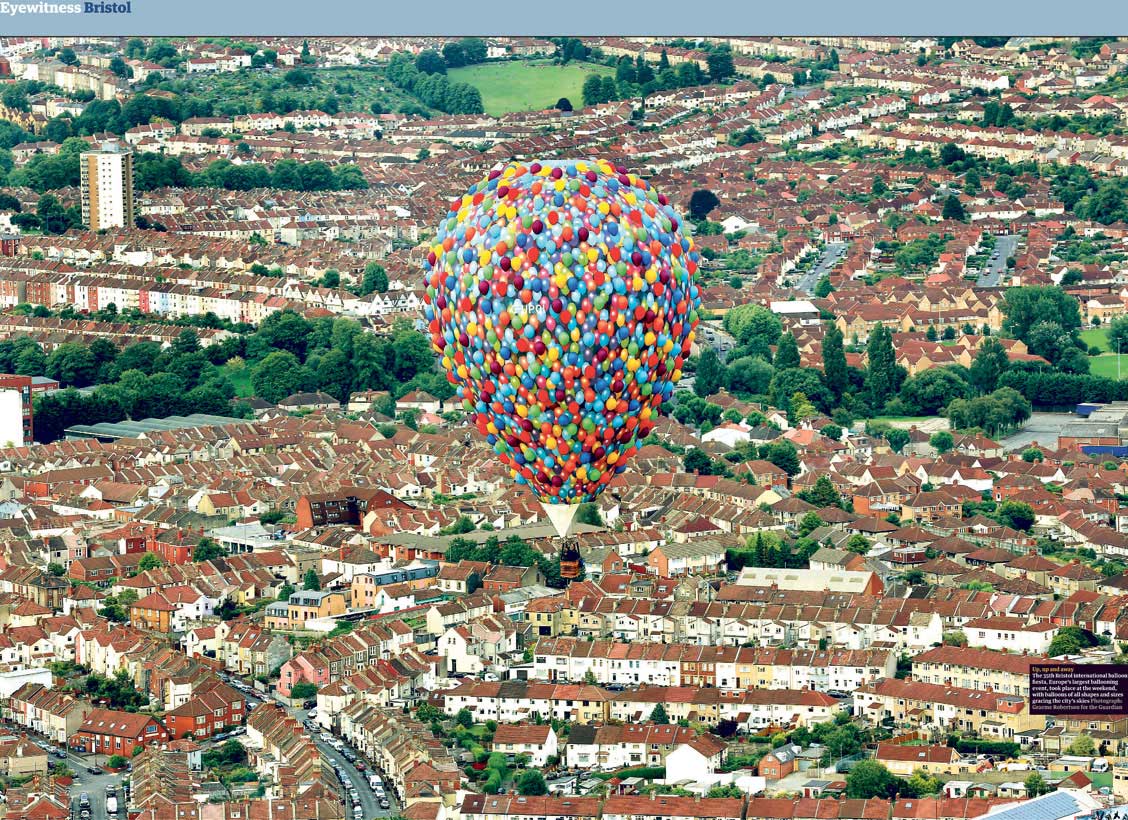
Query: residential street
[(829, 258), (1005, 247)]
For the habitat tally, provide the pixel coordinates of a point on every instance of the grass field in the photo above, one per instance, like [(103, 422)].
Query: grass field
[(526, 86), (1095, 337), (241, 378), (1106, 365)]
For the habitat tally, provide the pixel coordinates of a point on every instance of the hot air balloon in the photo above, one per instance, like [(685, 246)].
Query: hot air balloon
[(560, 300)]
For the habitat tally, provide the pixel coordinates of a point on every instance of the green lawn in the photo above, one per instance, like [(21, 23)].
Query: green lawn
[(1095, 337), (241, 378), (526, 86), (1106, 365)]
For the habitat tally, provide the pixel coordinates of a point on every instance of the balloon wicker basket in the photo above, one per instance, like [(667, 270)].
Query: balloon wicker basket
[(570, 560)]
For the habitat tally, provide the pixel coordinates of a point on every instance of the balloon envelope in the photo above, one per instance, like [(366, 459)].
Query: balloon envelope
[(560, 299)]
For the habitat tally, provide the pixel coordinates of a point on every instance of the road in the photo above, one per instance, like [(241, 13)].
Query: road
[(1005, 247), (368, 801), (95, 786), (830, 256)]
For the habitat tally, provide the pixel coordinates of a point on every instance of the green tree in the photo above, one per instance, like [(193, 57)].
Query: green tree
[(531, 782), (149, 560), (1084, 746), (1015, 514), (809, 523), (721, 65), (1035, 785), (702, 202), (464, 718), (430, 62), (710, 376), (942, 441), (658, 715), (783, 455), (699, 462), (1032, 454), (883, 375), (1027, 306), (375, 279), (822, 494), (953, 209), (277, 376), (989, 364), (208, 549), (72, 364), (868, 779), (311, 581), (593, 90), (835, 373), (303, 690), (926, 392), (755, 328), (787, 354), (749, 374), (589, 514)]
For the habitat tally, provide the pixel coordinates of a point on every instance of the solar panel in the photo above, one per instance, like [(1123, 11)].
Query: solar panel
[(1053, 806)]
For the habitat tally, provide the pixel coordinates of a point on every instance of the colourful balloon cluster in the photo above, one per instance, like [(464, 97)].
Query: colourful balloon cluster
[(560, 297)]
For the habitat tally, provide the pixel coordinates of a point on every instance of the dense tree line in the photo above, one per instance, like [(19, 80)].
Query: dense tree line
[(46, 172), (425, 77), (285, 355)]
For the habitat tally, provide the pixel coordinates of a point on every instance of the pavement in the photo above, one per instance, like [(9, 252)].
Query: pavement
[(829, 258), (1005, 246), (1040, 428)]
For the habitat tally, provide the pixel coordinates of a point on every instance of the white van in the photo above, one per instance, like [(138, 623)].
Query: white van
[(374, 782)]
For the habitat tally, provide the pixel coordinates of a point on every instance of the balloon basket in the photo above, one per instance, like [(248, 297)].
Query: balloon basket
[(571, 562)]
